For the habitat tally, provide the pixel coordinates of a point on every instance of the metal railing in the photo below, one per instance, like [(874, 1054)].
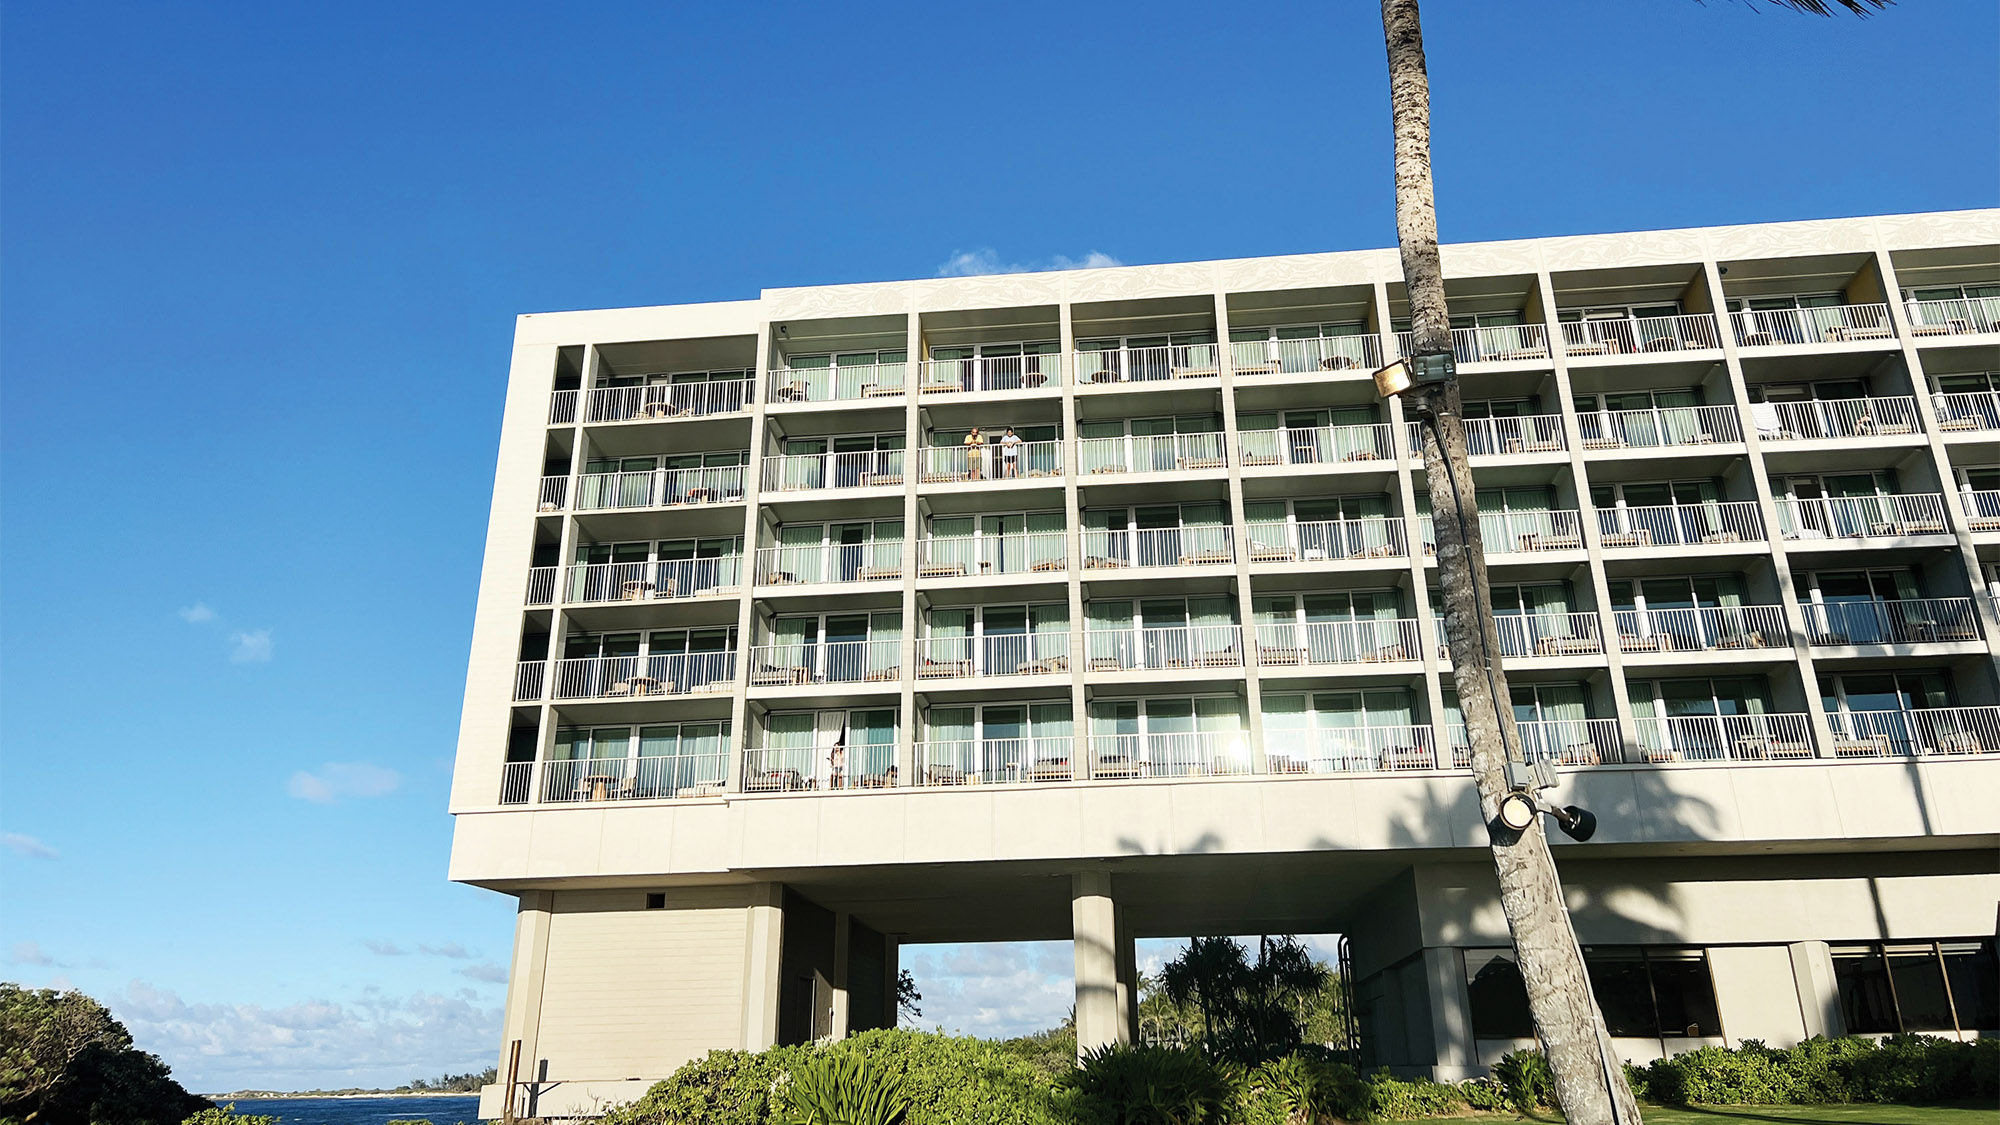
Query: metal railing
[(832, 384), (1666, 525), (993, 654), (994, 761), (517, 779), (1158, 546), (948, 463), (645, 581), (1658, 427), (1194, 753), (1371, 641), (1144, 365), (1040, 372), (799, 472), (541, 584), (553, 494), (528, 679), (1763, 328), (1500, 343), (1819, 419), (634, 779), (669, 400), (1318, 445), (1716, 738), (1350, 749), (1861, 517), (880, 561), (1505, 533), (1164, 647), (1960, 411), (1368, 537), (562, 408), (1569, 742), (1898, 621), (1490, 437), (829, 662), (1542, 634), (1692, 332), (1982, 509), (1954, 317), (1703, 629), (659, 488), (635, 677), (1923, 730), (831, 767), (968, 556), (1151, 453), (1323, 353)]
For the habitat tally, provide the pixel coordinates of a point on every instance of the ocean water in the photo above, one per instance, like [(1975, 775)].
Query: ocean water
[(364, 1111)]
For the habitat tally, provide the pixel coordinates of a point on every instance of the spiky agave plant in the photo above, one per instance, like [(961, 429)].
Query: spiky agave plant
[(843, 1088)]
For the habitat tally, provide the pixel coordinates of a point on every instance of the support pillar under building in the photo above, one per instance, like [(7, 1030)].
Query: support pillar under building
[(1105, 964)]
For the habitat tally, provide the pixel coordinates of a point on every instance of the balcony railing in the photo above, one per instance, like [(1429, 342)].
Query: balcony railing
[(1963, 411), (1704, 629), (1819, 419), (833, 767), (1955, 317), (1176, 754), (1693, 332), (553, 494), (1668, 525), (659, 488), (1042, 372), (669, 400), (1505, 533), (994, 761), (1504, 343), (1982, 509), (1145, 365), (880, 561), (562, 408), (646, 581), (541, 584), (832, 384), (1370, 537), (1158, 546), (949, 463), (1151, 453), (1350, 749), (1165, 647), (967, 556), (1567, 742), (994, 654), (633, 779), (1319, 445), (1374, 641), (1718, 738), (1542, 634), (1763, 328), (1491, 437), (803, 472), (1861, 517), (1924, 730), (1325, 353), (517, 779), (635, 677), (528, 679), (1899, 621), (831, 662), (1659, 427)]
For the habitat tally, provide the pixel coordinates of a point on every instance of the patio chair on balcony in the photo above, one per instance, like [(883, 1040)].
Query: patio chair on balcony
[(1206, 558), (1544, 541), (778, 781), (1114, 766), (1638, 537), (1216, 462), (947, 775), (879, 573), (943, 669), (1952, 327), (1047, 665), (1566, 646), (1280, 655), (1220, 658), (1861, 746), (941, 570), (1530, 445), (884, 675), (1408, 758), (1982, 523), (771, 675), (884, 780), (1633, 642), (1264, 552), (1050, 769), (1043, 566), (790, 392), (1388, 654), (1254, 460)]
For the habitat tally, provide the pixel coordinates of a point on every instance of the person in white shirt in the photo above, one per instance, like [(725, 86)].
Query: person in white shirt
[(1010, 453)]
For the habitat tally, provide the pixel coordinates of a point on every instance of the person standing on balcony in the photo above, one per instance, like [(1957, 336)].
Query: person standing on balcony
[(1010, 454), (974, 443)]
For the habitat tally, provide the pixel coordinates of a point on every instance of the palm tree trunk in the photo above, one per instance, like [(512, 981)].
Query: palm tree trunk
[(1588, 1077)]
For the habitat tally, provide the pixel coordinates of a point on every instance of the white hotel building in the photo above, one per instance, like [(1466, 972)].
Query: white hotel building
[(775, 672)]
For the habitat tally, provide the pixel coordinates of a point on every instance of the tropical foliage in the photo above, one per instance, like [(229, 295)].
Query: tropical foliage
[(844, 1088), (65, 1061), (1215, 995)]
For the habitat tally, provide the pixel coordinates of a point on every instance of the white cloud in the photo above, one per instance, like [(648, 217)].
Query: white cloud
[(985, 260), (197, 614), (22, 844), (336, 780), (450, 949), (30, 953), (383, 948), (485, 971), (994, 989), (250, 648)]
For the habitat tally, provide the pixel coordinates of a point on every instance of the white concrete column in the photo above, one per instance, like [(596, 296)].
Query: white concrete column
[(763, 953), (523, 1018), (1819, 995), (841, 951), (1450, 1014), (1079, 648), (1094, 919), (913, 473), (740, 714), (1239, 536)]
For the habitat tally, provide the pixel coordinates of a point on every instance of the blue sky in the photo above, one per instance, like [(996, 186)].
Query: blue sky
[(257, 285)]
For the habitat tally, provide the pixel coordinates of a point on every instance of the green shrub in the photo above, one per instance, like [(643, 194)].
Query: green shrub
[(1153, 1086), (1903, 1068), (1484, 1093), (1399, 1099), (1303, 1088), (840, 1087), (227, 1115), (1526, 1079), (1913, 1068)]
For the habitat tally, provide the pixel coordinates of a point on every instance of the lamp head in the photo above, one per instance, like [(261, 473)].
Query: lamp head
[(1424, 369)]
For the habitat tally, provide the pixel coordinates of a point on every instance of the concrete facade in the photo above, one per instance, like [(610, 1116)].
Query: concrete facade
[(774, 671)]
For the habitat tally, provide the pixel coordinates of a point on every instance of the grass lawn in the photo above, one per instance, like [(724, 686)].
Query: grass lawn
[(1960, 1114)]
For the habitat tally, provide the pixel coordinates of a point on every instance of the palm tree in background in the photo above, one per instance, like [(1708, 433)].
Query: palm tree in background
[(1589, 1080)]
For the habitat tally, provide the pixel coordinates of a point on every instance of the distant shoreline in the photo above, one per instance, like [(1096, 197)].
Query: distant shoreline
[(270, 1095)]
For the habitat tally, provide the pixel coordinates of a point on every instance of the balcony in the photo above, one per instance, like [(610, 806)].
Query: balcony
[(1498, 437), (1982, 509), (809, 472), (635, 677), (1001, 654), (1723, 738), (1567, 742), (1821, 419), (1039, 372), (659, 488), (789, 385), (1157, 546), (1834, 324), (1961, 412), (950, 464), (881, 561), (1861, 517), (1680, 525), (640, 581), (1290, 357), (994, 761), (1151, 453), (1378, 641), (618, 779), (1960, 317), (669, 400), (1148, 364), (541, 584), (530, 677), (1542, 634), (1900, 621), (1170, 754), (1506, 533), (1509, 343), (1350, 749), (832, 767), (1040, 552), (831, 662), (1704, 629), (553, 494), (1371, 537), (1659, 428), (1926, 730), (1319, 445), (1637, 335), (1170, 647), (562, 408)]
